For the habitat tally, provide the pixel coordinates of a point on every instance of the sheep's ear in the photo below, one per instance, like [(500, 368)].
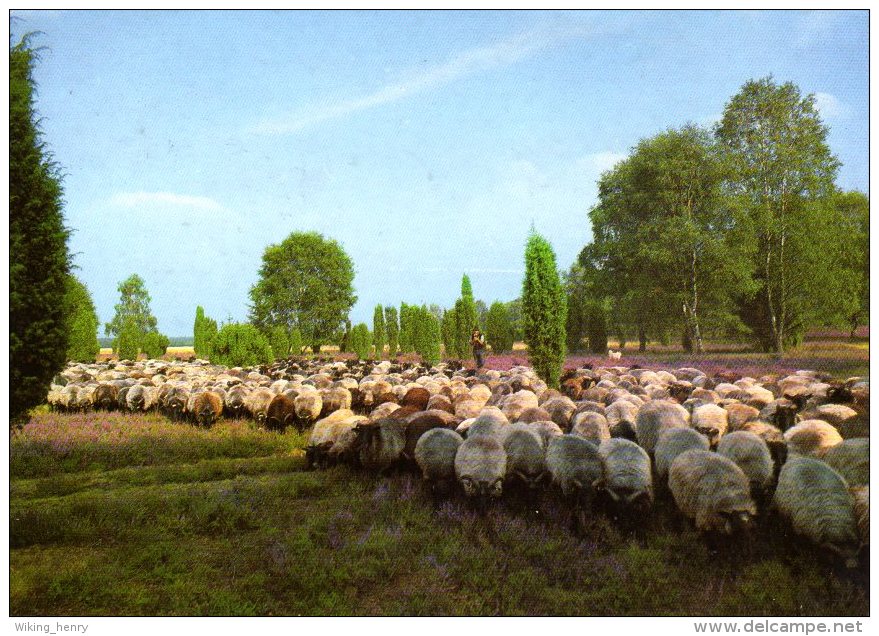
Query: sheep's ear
[(599, 483)]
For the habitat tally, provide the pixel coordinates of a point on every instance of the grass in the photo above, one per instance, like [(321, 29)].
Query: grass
[(116, 514)]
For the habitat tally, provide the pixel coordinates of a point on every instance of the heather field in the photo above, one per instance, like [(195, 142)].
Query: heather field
[(121, 514)]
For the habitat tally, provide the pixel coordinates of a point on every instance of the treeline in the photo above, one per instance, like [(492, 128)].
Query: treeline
[(739, 232)]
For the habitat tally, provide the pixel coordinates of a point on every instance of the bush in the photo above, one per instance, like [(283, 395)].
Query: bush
[(544, 310), (426, 334), (393, 329), (38, 256), (154, 345), (378, 331), (127, 343), (240, 345), (498, 328), (296, 342), (203, 331), (83, 345), (279, 341), (448, 327), (360, 340)]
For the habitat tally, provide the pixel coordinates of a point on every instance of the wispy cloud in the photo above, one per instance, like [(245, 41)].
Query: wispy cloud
[(501, 54), (141, 199), (829, 106)]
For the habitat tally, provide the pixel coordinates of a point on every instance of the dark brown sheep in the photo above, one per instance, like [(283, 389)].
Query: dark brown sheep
[(208, 408), (106, 397), (417, 397), (280, 414)]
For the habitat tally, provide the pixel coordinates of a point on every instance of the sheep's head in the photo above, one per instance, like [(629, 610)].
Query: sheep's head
[(481, 491), (737, 522), (785, 414), (846, 552), (712, 433), (532, 479), (629, 503)]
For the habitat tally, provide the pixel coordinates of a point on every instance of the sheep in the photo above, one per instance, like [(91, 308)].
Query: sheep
[(861, 498), (782, 413), (514, 405), (327, 432), (380, 444), (815, 500), (208, 408), (258, 403), (575, 466), (560, 410), (384, 410), (710, 420), (621, 411), (672, 442), (280, 414), (175, 402), (139, 398), (656, 417), (106, 396), (419, 424), (435, 455), (812, 437), (851, 459), (626, 478), (614, 355), (751, 454), (537, 414), (333, 399), (546, 430), (417, 397), (591, 426), (480, 468), (526, 461), (307, 406), (712, 491), (739, 414), (774, 439), (234, 404), (833, 414)]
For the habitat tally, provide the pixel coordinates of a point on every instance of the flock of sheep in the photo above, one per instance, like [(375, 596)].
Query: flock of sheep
[(725, 448)]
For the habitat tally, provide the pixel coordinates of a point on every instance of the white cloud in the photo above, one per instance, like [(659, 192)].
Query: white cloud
[(462, 65), (141, 199), (598, 162), (829, 106)]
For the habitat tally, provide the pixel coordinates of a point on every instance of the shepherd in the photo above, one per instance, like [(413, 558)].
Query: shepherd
[(477, 341)]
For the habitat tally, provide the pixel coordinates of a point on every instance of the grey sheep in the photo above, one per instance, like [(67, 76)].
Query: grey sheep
[(656, 417), (851, 459), (713, 491), (861, 497), (575, 466), (739, 414), (480, 467), (526, 457), (435, 455), (751, 454), (672, 442), (627, 478), (816, 501)]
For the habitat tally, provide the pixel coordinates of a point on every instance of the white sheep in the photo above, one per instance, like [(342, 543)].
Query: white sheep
[(812, 438), (712, 421), (526, 457), (480, 467), (592, 426), (575, 466), (816, 501), (435, 454)]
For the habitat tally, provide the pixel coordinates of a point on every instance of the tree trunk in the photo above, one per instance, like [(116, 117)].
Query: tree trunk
[(642, 339), (315, 348)]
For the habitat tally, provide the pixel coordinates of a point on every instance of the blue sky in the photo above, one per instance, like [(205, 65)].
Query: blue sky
[(426, 143)]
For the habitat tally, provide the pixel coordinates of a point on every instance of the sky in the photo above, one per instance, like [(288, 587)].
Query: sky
[(427, 143)]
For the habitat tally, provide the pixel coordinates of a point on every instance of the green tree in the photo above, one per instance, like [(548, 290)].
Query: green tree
[(134, 304), (360, 340), (240, 345), (544, 310), (425, 334), (781, 167), (305, 283), (465, 317), (378, 331), (669, 238), (514, 310), (209, 331), (850, 287), (39, 262), (83, 345), (498, 329), (203, 330), (393, 329)]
